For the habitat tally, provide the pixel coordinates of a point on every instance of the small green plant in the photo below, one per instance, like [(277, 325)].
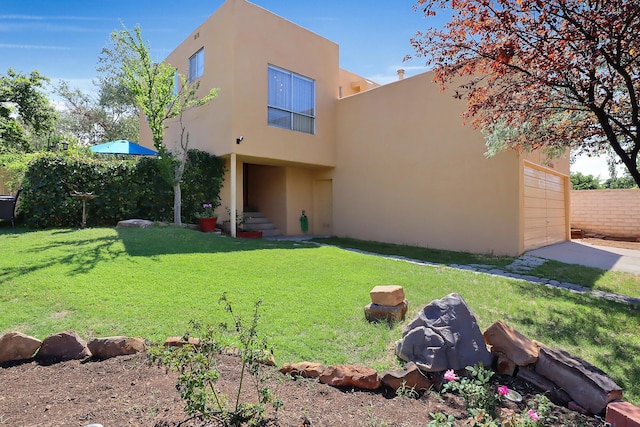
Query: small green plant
[(373, 420), (196, 363), (476, 391), (441, 420), (406, 391), (207, 211), (538, 414)]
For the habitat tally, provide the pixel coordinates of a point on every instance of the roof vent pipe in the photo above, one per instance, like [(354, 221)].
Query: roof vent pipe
[(400, 74)]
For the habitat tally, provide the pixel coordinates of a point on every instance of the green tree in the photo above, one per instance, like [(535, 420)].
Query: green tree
[(584, 182), (562, 73), (625, 181), (25, 112), (112, 115), (128, 60)]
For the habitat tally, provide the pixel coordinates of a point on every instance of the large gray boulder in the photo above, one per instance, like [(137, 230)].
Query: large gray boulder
[(444, 335)]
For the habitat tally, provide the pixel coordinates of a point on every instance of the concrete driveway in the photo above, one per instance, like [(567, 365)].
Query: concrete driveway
[(602, 257)]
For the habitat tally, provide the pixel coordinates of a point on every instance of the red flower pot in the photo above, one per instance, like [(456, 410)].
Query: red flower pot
[(207, 225)]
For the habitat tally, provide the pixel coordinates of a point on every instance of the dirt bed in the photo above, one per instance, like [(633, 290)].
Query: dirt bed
[(127, 391)]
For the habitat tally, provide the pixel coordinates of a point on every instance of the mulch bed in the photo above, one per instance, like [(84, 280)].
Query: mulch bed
[(128, 391)]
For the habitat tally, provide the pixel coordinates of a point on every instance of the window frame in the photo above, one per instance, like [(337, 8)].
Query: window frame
[(195, 72), (290, 109)]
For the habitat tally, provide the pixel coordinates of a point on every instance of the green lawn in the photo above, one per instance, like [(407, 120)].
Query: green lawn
[(593, 278), (150, 283)]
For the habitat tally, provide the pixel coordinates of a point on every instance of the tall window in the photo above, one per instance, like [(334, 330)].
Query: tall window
[(196, 65), (292, 101)]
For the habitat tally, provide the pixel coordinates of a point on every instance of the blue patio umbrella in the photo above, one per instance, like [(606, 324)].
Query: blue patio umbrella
[(123, 146)]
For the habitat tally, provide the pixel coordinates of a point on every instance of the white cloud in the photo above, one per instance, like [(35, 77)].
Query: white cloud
[(32, 46), (596, 166)]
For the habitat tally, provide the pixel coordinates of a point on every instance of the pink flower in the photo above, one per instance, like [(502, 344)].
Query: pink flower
[(534, 416), (449, 375), (503, 390)]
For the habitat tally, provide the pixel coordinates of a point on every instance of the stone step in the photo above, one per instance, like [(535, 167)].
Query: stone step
[(256, 220), (271, 233), (258, 226)]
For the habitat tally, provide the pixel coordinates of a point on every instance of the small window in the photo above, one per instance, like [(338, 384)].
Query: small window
[(196, 65), (176, 82), (292, 101)]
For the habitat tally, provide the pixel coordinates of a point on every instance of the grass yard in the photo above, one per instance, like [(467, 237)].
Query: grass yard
[(150, 283), (593, 278)]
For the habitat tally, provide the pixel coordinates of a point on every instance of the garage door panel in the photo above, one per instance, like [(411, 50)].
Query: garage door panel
[(536, 223), (534, 202), (555, 196), (544, 208), (536, 213), (555, 222), (556, 205), (534, 193)]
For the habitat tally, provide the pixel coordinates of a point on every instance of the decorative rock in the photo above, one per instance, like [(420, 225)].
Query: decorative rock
[(104, 348), (135, 223), (504, 339), (63, 346), (376, 313), (505, 366), (587, 385), (303, 369), (623, 414), (555, 394), (410, 376), (444, 335), (17, 346), (390, 295), (351, 376), (179, 342)]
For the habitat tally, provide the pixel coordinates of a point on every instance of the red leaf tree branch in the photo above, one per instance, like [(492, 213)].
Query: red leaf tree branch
[(558, 73)]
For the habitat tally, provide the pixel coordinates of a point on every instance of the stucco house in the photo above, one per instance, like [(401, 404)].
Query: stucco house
[(390, 163)]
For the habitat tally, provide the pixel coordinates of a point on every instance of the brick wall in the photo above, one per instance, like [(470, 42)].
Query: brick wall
[(609, 212)]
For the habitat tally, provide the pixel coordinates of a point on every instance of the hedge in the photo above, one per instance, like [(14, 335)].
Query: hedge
[(124, 188)]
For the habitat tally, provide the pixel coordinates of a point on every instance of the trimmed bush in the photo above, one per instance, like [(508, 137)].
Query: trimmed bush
[(124, 189)]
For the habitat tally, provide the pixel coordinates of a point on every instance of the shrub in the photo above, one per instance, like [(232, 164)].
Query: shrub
[(130, 188)]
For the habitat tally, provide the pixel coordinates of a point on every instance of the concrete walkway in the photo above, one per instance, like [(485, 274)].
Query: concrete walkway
[(602, 257)]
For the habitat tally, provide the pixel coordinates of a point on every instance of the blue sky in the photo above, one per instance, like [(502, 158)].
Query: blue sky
[(62, 39)]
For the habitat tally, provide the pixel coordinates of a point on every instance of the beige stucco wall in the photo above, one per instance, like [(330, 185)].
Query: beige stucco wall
[(240, 41), (610, 212), (409, 172), (351, 83), (391, 163)]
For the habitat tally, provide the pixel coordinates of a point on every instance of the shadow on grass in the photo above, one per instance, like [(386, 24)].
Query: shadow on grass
[(437, 256), (606, 331), (80, 251), (81, 254), (155, 241)]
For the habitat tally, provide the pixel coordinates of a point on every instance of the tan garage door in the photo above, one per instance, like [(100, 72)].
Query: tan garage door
[(545, 219)]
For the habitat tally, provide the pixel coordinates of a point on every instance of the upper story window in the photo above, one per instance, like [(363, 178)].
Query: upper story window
[(196, 65), (292, 101), (176, 83)]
